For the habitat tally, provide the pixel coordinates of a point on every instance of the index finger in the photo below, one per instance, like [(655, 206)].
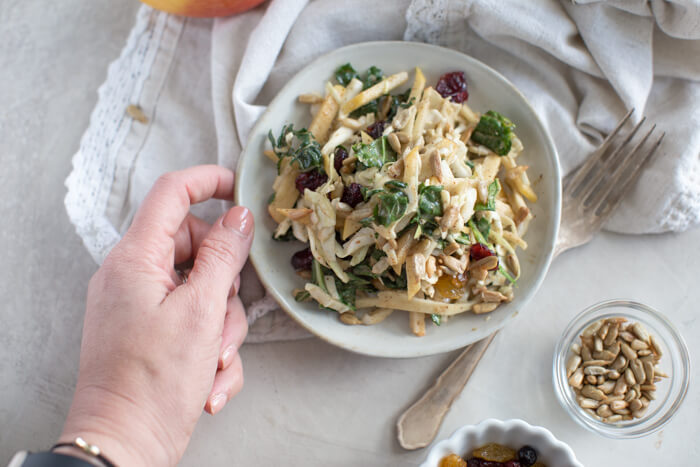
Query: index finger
[(169, 201)]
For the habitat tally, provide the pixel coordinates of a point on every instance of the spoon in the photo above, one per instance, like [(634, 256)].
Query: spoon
[(419, 424)]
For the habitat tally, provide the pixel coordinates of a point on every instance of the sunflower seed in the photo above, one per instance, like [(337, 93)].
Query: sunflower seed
[(627, 336), (619, 363), (607, 387), (576, 379), (573, 363), (620, 387), (629, 376), (644, 353), (613, 374), (592, 413), (594, 370), (649, 370), (593, 393), (611, 337), (576, 348), (614, 348), (644, 401), (586, 353), (640, 332), (591, 379), (604, 411), (651, 395), (598, 344), (605, 355), (613, 419), (618, 405), (639, 413), (635, 405), (631, 395), (596, 363), (592, 329), (659, 373), (655, 345), (394, 142), (638, 369), (586, 403), (601, 380), (603, 331), (639, 345), (648, 387), (622, 411), (627, 350)]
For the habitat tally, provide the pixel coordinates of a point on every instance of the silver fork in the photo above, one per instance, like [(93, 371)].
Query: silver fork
[(593, 191), (590, 195)]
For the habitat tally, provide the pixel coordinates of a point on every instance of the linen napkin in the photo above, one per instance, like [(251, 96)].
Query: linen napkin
[(187, 91)]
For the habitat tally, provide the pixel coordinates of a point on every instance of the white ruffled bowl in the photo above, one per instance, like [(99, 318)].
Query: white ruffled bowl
[(511, 433)]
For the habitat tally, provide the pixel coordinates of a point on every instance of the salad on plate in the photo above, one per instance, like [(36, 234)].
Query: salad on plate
[(408, 200)]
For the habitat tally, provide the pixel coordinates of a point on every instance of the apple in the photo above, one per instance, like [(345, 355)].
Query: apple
[(203, 8)]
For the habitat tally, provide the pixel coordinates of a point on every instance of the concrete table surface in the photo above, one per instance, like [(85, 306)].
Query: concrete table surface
[(305, 402)]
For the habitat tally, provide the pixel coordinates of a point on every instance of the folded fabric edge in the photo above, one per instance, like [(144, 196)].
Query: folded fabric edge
[(96, 164)]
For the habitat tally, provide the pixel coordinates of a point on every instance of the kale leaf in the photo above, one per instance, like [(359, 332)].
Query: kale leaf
[(429, 201), (494, 132), (307, 153), (436, 319), (375, 154), (484, 226), (490, 205), (373, 75), (302, 296), (393, 281), (345, 73), (390, 207)]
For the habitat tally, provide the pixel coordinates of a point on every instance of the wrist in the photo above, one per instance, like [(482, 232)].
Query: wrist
[(124, 434)]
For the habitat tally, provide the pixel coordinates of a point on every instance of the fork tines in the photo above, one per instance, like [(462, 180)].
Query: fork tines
[(601, 182)]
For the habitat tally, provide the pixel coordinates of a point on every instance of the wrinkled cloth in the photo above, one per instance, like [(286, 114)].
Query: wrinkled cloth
[(201, 85)]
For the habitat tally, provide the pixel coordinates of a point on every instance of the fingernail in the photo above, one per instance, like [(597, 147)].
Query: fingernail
[(217, 402), (239, 219), (226, 356)]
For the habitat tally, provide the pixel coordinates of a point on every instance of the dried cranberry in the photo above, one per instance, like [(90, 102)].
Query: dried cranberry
[(352, 194), (376, 129), (310, 180), (527, 456), (301, 260), (479, 251), (474, 462), (340, 155), (453, 85), (512, 464)]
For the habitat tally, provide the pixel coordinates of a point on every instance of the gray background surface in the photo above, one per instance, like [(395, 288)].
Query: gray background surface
[(304, 403)]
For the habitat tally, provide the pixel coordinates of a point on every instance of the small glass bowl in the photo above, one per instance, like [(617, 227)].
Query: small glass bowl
[(675, 361)]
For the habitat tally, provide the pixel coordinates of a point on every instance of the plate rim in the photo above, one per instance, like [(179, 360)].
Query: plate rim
[(439, 347)]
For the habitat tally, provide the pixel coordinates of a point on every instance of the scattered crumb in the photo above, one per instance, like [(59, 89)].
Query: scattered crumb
[(135, 112)]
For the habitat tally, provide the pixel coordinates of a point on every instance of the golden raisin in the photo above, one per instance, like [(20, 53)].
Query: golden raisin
[(453, 460), (495, 453), (451, 286)]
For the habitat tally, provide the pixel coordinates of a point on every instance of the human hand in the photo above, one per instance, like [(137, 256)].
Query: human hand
[(156, 351)]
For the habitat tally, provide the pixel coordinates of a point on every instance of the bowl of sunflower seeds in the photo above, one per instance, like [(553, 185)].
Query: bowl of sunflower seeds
[(621, 369)]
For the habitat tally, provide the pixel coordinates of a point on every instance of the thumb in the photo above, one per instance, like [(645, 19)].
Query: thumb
[(222, 254)]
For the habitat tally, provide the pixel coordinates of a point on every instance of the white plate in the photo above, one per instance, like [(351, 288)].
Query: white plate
[(512, 433), (487, 90)]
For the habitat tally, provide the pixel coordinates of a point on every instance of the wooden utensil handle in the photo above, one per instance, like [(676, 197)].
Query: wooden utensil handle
[(419, 424)]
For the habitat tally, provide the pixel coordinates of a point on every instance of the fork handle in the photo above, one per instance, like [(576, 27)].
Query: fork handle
[(419, 424)]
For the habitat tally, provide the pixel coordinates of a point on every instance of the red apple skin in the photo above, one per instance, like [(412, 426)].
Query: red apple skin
[(203, 8)]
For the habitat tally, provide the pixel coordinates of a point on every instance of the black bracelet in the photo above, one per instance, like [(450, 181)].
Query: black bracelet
[(53, 459), (85, 447)]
